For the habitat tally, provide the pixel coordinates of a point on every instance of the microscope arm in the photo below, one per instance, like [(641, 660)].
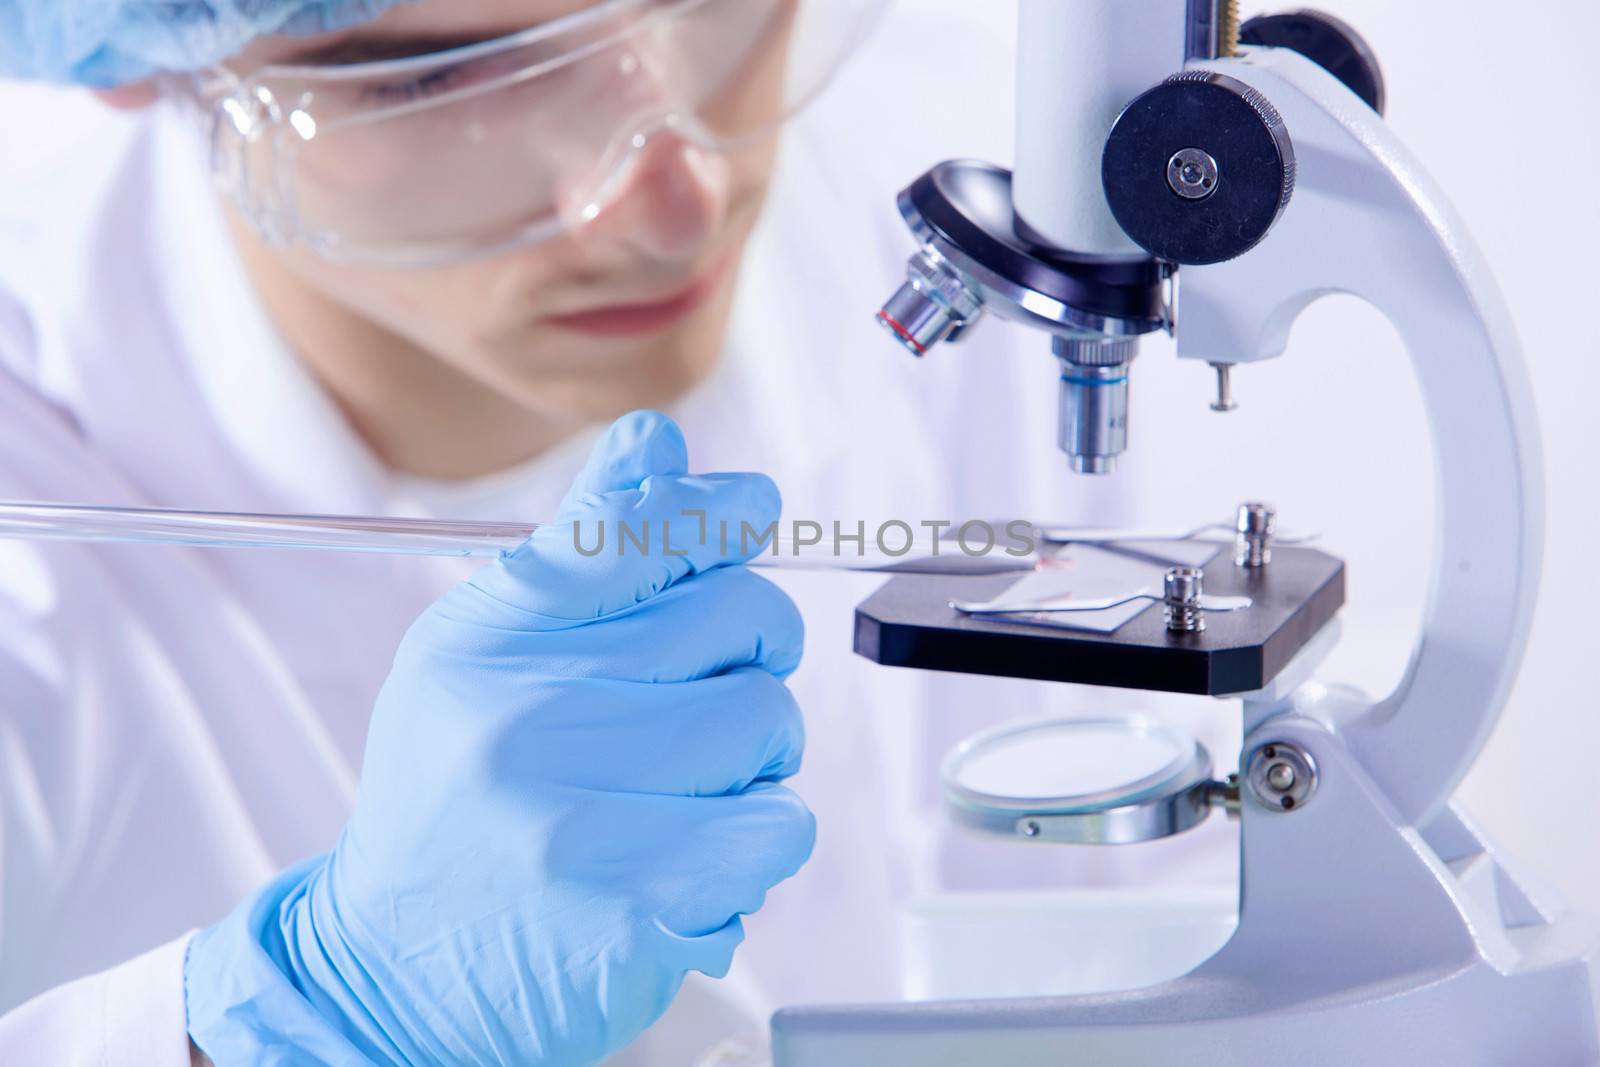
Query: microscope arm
[(1366, 219)]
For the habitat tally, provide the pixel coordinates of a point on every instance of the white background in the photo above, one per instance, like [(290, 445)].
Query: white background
[(1499, 104)]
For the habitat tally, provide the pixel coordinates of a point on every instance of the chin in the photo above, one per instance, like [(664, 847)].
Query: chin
[(595, 379)]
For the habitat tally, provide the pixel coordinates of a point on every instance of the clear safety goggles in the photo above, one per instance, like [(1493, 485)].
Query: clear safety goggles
[(431, 159)]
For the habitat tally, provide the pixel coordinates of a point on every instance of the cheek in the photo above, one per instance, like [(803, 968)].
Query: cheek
[(449, 309), (750, 165), (753, 167)]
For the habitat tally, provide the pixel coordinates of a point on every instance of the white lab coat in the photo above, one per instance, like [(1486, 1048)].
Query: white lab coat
[(177, 724)]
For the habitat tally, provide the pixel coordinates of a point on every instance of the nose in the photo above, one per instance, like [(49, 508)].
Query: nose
[(670, 201)]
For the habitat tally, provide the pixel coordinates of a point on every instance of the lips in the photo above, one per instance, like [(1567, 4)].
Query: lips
[(630, 320)]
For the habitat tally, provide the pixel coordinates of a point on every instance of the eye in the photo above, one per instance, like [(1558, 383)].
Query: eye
[(404, 92)]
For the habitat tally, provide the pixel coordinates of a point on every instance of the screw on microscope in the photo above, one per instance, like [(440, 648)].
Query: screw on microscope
[(1224, 795), (1282, 776), (1184, 586), (1253, 529), (1192, 173), (1224, 400)]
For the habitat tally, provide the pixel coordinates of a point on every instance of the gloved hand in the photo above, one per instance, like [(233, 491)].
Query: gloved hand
[(106, 43), (569, 797)]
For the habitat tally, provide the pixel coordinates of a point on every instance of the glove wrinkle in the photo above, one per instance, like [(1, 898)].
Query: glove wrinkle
[(546, 800)]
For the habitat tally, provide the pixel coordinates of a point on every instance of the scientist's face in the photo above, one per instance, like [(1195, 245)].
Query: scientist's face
[(626, 308)]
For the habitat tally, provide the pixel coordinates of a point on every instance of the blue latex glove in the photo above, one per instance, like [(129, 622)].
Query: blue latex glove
[(105, 43), (569, 797)]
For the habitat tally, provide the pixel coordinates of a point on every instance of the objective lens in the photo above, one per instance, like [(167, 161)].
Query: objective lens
[(1094, 401)]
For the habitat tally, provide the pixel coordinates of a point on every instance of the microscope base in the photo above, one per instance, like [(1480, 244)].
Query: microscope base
[(1361, 939), (1541, 1014)]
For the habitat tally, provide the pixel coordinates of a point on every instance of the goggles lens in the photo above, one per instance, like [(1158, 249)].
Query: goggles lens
[(431, 159)]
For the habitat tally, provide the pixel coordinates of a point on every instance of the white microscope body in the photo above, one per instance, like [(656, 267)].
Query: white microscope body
[(1377, 925)]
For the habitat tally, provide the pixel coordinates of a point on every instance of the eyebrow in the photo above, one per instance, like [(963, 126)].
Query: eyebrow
[(377, 47)]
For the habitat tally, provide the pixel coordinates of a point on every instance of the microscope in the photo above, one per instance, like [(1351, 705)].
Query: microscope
[(1176, 171)]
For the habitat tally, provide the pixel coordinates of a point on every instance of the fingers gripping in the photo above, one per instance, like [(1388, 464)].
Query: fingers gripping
[(633, 524)]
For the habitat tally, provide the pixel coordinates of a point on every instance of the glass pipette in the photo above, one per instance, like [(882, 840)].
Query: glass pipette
[(438, 537)]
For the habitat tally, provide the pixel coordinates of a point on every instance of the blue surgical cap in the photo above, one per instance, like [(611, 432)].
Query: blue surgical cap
[(105, 43)]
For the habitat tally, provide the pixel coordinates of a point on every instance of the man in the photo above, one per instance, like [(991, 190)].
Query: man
[(182, 726)]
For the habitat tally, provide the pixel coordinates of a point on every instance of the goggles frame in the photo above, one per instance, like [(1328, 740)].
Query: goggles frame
[(256, 123)]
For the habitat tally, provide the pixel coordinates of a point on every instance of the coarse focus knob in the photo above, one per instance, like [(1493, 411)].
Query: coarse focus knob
[(1333, 45), (1198, 169)]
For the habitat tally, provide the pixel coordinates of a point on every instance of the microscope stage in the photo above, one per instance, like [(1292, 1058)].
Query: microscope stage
[(909, 623)]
